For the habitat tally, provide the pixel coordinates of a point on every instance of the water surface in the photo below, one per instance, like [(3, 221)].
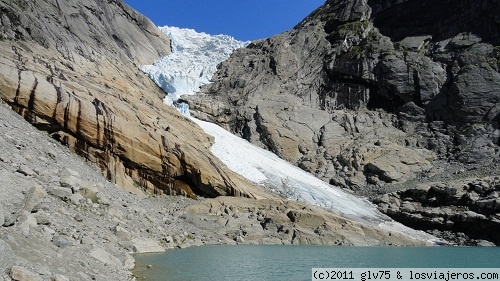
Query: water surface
[(276, 262)]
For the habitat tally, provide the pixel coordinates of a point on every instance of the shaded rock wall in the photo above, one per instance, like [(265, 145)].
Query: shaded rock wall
[(359, 79), (71, 69), (470, 206)]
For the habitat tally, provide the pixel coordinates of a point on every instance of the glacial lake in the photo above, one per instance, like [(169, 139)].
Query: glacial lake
[(277, 262)]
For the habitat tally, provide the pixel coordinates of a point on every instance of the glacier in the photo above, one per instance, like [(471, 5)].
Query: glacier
[(194, 59), (191, 64)]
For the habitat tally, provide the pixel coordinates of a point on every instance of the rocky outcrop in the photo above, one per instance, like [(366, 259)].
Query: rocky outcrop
[(277, 221), (470, 206), (71, 68), (368, 92)]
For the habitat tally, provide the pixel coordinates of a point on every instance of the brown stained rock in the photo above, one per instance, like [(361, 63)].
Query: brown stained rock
[(80, 81)]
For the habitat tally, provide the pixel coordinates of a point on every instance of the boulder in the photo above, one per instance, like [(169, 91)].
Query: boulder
[(145, 245), (69, 178), (25, 170), (122, 233), (20, 273), (396, 163), (128, 261), (62, 241), (103, 256), (76, 198), (89, 191), (26, 222), (61, 192), (36, 195)]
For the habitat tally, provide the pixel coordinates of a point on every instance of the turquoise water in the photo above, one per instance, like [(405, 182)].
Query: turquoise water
[(275, 262)]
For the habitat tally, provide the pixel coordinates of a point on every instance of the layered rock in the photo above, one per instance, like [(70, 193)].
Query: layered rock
[(370, 92), (71, 69), (470, 206)]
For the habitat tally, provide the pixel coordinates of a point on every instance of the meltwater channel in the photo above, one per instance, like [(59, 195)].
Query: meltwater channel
[(278, 262)]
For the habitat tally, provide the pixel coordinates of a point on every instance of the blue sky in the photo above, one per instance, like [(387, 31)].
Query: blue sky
[(242, 19)]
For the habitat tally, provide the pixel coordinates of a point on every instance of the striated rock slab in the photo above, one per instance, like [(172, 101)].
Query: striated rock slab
[(71, 69)]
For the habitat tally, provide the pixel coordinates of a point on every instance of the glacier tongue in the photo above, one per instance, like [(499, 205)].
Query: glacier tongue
[(272, 173), (191, 64)]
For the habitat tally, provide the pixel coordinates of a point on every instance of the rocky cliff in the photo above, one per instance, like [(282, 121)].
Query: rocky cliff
[(364, 93), (375, 95), (71, 68)]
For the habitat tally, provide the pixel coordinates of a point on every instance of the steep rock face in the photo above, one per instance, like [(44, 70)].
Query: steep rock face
[(469, 206), (368, 92), (71, 68)]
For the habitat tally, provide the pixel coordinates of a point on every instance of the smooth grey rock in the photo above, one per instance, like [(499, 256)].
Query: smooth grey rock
[(5, 158), (145, 245), (26, 222), (48, 232), (76, 198), (86, 240), (2, 216), (61, 192), (31, 198), (70, 181), (116, 213), (20, 273), (102, 199), (484, 243), (414, 43), (43, 218), (25, 170), (7, 258), (122, 233), (89, 191), (239, 239), (59, 277), (128, 261), (103, 256), (36, 195), (69, 172), (62, 241)]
